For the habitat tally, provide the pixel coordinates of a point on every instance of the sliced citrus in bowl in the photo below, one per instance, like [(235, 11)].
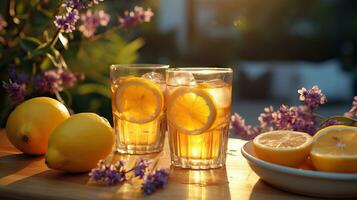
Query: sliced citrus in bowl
[(334, 149), (138, 100), (191, 110), (283, 147)]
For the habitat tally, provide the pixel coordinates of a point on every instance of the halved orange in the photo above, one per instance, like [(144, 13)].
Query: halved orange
[(334, 149), (191, 110), (138, 100), (283, 147)]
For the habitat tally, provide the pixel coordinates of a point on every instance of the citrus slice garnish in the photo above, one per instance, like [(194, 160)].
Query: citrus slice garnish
[(191, 110), (138, 100), (334, 149), (283, 147)]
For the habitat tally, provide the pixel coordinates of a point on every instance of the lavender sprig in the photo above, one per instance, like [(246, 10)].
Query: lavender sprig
[(135, 17), (90, 21), (55, 80), (298, 118), (15, 91), (312, 98), (67, 21), (110, 174), (156, 180), (140, 168), (16, 86)]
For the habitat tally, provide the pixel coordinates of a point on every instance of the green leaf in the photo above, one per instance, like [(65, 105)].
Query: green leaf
[(43, 50), (29, 43), (98, 55), (343, 119), (64, 40)]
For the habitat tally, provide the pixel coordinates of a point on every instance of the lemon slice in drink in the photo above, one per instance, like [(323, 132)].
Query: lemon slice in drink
[(334, 149), (283, 147), (138, 100), (191, 110)]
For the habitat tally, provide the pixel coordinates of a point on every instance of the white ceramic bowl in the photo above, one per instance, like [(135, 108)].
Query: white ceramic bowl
[(301, 181)]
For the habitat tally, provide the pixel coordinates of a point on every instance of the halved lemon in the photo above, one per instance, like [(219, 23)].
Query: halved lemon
[(334, 149), (138, 100), (191, 110), (283, 147)]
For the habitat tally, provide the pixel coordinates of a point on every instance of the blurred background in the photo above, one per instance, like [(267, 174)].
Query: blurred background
[(275, 47)]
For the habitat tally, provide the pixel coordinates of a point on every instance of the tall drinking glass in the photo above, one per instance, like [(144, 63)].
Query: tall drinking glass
[(198, 114), (138, 106)]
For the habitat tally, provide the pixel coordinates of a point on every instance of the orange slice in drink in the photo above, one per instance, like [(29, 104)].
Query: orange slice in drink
[(334, 149), (138, 100), (283, 147), (191, 110)]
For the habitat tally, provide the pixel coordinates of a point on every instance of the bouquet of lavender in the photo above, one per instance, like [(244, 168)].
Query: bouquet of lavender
[(298, 118), (46, 47)]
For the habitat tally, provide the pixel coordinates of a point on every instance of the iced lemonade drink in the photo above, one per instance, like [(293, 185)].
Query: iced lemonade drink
[(198, 113), (138, 107)]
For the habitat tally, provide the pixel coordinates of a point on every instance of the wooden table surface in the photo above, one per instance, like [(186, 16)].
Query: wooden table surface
[(26, 177)]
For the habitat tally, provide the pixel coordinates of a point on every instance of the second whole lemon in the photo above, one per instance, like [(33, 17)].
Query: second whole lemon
[(79, 143)]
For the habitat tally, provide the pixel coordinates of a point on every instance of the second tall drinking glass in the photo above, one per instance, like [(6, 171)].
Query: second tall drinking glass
[(138, 105), (198, 113)]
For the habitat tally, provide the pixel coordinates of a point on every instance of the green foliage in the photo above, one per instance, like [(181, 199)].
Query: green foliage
[(33, 44), (29, 43), (93, 58)]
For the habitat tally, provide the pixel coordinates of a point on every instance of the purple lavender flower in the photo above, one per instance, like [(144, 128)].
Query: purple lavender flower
[(90, 22), (80, 4), (266, 118), (241, 129), (18, 77), (140, 168), (352, 113), (154, 181), (113, 175), (67, 23), (108, 174), (135, 17), (312, 98), (69, 79), (50, 81), (96, 174), (55, 80), (15, 91), (3, 23), (297, 118), (16, 86)]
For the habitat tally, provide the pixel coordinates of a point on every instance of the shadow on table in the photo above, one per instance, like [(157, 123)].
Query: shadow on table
[(262, 190), (201, 184), (9, 164)]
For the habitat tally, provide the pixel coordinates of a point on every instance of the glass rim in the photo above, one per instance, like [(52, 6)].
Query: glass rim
[(139, 66), (200, 69)]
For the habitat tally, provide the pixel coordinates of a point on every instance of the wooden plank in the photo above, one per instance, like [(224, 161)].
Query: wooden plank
[(27, 177)]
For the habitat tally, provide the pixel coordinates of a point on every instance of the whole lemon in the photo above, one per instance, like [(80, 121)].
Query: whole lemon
[(31, 123), (78, 143)]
